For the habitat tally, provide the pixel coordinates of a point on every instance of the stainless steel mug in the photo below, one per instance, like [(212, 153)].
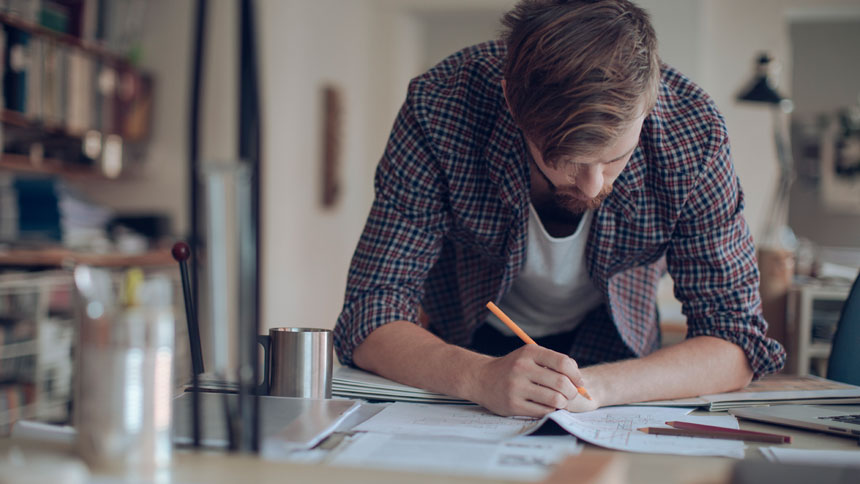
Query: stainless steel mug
[(297, 362)]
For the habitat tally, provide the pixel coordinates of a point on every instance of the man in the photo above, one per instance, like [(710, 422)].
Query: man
[(558, 172)]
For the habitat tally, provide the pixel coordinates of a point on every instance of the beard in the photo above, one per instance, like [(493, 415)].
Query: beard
[(563, 207)]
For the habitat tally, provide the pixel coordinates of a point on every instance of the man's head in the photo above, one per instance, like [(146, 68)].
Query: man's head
[(579, 78)]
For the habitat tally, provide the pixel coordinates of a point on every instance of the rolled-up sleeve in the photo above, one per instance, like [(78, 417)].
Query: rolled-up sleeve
[(401, 241), (712, 261)]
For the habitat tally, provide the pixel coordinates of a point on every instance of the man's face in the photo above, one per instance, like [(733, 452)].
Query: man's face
[(577, 185)]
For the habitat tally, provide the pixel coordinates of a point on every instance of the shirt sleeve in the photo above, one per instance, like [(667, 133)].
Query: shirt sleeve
[(401, 241), (712, 261)]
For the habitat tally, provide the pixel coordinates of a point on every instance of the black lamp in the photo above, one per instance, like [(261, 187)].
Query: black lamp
[(761, 91)]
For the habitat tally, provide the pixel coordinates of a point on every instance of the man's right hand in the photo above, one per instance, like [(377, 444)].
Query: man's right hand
[(530, 382)]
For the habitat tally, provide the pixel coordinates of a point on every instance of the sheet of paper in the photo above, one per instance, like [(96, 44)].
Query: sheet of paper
[(616, 428), (525, 458), (470, 422), (848, 458)]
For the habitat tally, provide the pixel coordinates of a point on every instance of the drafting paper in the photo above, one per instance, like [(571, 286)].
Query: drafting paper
[(616, 428), (470, 422), (523, 458)]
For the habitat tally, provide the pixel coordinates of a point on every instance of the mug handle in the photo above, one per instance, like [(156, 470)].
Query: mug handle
[(265, 341)]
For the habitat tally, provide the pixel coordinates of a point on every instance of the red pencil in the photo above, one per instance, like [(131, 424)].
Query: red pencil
[(723, 430), (711, 434)]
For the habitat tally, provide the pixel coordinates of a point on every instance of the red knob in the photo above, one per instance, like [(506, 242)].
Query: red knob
[(181, 251)]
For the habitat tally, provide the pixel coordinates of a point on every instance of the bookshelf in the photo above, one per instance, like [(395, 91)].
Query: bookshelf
[(36, 29), (74, 106), (71, 106), (813, 309), (58, 257), (48, 166)]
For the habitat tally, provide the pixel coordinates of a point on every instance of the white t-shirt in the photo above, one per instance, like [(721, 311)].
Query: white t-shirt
[(553, 292)]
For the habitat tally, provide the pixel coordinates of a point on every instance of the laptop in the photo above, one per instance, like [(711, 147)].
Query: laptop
[(296, 422), (834, 419)]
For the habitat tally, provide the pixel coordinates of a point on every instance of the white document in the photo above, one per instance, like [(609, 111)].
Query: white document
[(522, 458), (611, 427), (847, 458), (616, 428), (469, 422)]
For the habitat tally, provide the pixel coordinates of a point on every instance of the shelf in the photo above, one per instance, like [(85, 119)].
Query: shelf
[(60, 257), (20, 120), (819, 350), (18, 350), (49, 166), (67, 39)]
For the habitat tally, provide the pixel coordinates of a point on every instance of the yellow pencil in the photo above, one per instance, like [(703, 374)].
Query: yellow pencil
[(523, 336)]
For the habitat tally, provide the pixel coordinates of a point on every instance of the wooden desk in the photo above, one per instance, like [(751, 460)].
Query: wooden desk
[(216, 468)]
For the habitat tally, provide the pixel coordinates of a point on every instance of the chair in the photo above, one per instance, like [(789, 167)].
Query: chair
[(844, 362)]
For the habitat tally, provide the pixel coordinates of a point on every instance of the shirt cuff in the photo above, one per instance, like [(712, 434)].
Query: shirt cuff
[(362, 317)]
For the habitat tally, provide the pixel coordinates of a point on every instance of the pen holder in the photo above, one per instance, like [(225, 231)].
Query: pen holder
[(297, 362)]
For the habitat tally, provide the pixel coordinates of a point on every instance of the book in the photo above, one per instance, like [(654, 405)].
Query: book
[(79, 95), (15, 64), (354, 383), (33, 107)]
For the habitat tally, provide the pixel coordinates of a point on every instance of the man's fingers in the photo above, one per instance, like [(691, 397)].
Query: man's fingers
[(560, 363), (531, 409), (547, 397), (555, 381)]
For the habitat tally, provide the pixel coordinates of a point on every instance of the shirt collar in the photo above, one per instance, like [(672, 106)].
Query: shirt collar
[(505, 153)]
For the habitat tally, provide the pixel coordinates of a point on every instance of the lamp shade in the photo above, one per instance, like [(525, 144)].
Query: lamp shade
[(760, 90)]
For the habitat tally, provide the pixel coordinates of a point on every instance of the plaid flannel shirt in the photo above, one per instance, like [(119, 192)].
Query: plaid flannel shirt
[(447, 229)]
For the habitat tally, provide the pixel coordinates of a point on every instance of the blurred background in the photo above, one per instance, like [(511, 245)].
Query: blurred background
[(95, 148)]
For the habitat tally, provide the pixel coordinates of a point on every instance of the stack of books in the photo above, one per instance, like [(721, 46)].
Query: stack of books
[(354, 383)]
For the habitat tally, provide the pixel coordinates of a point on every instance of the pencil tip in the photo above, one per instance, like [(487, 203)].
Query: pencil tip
[(582, 391)]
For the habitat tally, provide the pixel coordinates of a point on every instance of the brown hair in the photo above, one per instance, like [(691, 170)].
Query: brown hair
[(578, 71)]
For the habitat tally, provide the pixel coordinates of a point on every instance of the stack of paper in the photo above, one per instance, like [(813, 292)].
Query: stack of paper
[(519, 458), (454, 440), (774, 390), (457, 421), (353, 383)]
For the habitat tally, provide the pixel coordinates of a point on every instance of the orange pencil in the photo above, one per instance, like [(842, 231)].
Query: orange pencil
[(523, 336)]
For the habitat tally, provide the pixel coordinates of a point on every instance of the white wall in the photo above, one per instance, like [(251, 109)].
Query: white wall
[(826, 78), (734, 32), (307, 248)]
